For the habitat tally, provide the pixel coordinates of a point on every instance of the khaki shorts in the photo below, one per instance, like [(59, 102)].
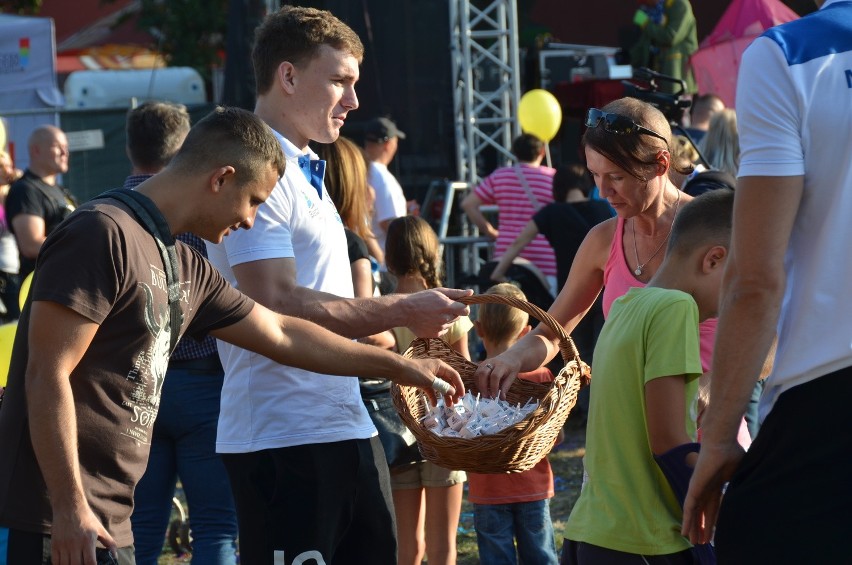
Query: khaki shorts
[(425, 474)]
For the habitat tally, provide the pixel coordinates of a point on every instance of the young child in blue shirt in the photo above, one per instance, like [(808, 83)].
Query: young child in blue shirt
[(641, 430)]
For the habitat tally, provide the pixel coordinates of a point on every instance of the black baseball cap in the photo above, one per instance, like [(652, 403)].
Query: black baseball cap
[(382, 129)]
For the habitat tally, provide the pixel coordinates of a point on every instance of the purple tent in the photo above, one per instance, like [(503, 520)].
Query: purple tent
[(717, 61)]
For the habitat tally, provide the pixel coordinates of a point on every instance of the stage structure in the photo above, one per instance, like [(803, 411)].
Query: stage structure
[(486, 81), (486, 93)]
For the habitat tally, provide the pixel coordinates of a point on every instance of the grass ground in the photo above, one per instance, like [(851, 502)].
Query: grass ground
[(567, 463)]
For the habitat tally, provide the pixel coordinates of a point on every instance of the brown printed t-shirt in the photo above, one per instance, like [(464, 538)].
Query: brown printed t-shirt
[(105, 266)]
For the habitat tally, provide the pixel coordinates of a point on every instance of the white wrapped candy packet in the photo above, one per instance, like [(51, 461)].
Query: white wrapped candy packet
[(473, 416)]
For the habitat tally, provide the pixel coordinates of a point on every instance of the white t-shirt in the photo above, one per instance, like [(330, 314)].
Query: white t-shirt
[(794, 107), (390, 199), (266, 405)]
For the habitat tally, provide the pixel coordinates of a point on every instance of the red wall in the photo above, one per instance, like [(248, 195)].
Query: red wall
[(597, 23)]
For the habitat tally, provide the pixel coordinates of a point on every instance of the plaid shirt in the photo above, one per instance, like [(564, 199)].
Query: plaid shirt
[(187, 349)]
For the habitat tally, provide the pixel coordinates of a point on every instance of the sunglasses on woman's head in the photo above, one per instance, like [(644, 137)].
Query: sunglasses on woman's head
[(617, 124)]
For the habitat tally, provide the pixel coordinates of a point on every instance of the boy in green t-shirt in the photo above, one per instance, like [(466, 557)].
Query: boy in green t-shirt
[(643, 408)]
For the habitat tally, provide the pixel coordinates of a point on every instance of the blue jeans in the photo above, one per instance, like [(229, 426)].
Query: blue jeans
[(499, 525), (184, 445)]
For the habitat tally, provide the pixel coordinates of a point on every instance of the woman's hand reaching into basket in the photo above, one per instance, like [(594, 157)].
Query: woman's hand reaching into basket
[(495, 375)]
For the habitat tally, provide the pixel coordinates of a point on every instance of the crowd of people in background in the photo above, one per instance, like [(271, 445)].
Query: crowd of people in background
[(234, 316)]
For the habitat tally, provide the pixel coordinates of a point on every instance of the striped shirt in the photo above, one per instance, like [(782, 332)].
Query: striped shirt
[(503, 188)]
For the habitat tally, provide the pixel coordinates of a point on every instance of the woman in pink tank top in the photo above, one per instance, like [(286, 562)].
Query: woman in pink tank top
[(627, 152)]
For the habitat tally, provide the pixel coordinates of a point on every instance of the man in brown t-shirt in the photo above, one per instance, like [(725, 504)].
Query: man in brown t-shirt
[(94, 341)]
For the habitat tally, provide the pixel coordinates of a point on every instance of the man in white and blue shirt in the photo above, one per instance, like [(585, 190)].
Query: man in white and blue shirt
[(307, 469), (789, 497)]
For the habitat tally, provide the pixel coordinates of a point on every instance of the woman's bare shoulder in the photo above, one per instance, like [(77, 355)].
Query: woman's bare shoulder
[(603, 233), (594, 252)]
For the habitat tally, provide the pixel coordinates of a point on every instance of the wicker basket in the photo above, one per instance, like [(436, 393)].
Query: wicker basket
[(518, 447)]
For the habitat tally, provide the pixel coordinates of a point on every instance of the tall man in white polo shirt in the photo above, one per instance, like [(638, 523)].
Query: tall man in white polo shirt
[(307, 469), (789, 497)]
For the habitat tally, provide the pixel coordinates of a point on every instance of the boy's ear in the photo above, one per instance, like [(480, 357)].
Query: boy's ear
[(220, 176), (478, 327), (714, 258), (524, 331)]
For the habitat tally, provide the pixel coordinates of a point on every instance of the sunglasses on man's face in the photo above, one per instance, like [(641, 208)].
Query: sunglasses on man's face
[(617, 124)]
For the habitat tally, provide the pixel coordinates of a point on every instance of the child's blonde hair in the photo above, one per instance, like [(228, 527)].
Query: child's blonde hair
[(500, 322), (412, 248)]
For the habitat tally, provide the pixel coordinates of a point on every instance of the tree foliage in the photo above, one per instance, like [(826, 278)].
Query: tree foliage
[(28, 7), (189, 33)]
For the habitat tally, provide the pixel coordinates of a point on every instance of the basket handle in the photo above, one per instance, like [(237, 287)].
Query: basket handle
[(566, 345)]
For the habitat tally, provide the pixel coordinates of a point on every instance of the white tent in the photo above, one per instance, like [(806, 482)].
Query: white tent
[(28, 93)]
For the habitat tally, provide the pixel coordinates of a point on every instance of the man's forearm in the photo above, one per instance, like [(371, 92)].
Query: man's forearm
[(764, 214), (482, 223), (349, 317), (471, 209), (311, 348), (524, 238), (744, 336)]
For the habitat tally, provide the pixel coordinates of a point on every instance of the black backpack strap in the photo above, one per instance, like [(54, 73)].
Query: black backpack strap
[(153, 221)]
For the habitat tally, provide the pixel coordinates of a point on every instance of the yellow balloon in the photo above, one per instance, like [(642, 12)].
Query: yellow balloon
[(540, 114), (25, 290), (2, 134), (7, 339)]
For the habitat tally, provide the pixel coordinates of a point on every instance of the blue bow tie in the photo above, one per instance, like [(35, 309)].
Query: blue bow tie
[(314, 171)]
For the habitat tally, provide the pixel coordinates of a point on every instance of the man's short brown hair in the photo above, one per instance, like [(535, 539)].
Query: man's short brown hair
[(295, 34), (231, 137), (155, 132)]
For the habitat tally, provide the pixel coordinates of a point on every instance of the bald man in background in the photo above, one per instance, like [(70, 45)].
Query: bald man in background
[(36, 204)]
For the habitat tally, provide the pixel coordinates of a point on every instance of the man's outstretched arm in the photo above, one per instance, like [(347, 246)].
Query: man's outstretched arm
[(273, 283), (305, 345)]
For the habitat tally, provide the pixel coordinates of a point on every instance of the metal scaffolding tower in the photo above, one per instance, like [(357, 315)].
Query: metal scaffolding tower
[(486, 78), (486, 91)]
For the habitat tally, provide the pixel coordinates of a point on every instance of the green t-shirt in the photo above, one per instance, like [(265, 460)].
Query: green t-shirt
[(626, 503)]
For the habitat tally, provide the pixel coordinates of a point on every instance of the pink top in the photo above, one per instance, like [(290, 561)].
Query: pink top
[(618, 279)]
